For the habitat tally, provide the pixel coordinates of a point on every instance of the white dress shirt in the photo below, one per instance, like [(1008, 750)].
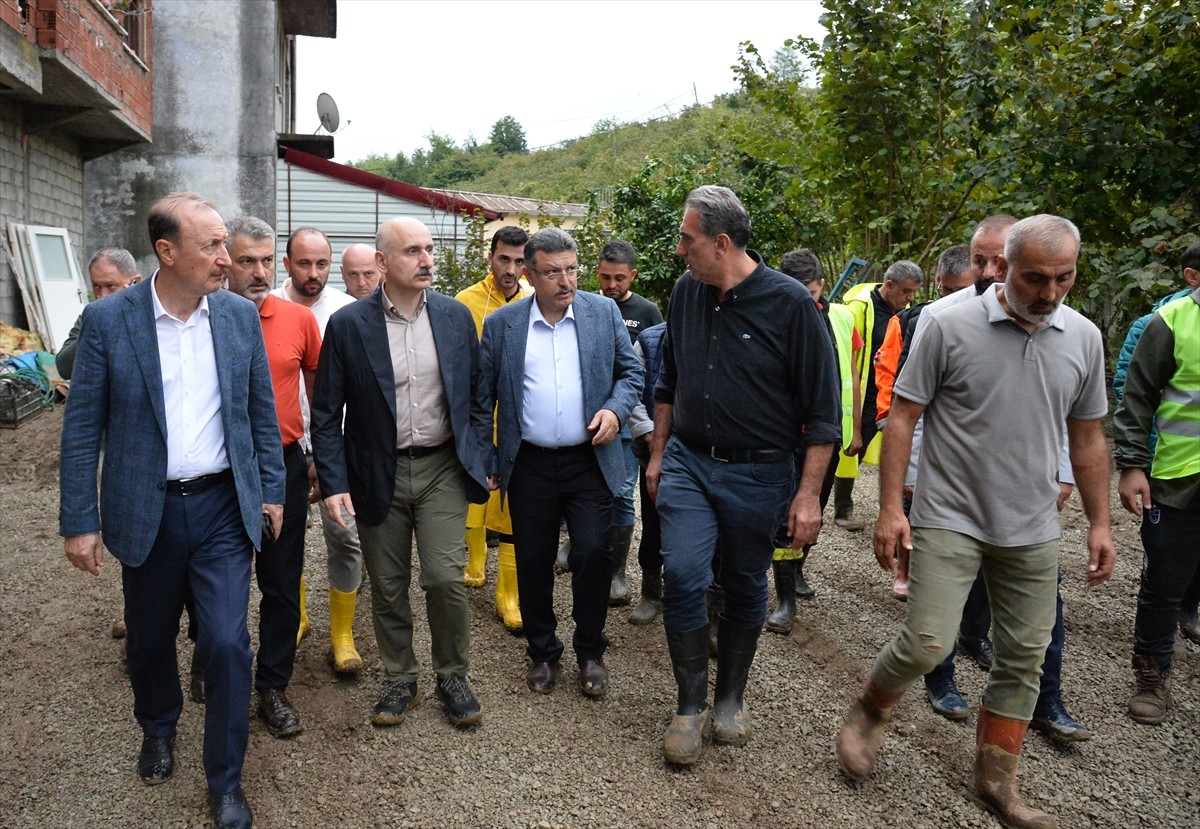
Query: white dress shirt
[(552, 402), (191, 392)]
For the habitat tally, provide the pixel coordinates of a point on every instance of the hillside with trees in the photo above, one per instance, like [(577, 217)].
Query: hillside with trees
[(911, 121)]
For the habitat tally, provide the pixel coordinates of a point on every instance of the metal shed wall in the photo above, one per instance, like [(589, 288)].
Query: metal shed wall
[(348, 214)]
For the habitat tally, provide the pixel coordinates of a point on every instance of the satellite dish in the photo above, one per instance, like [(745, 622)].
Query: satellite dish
[(327, 111)]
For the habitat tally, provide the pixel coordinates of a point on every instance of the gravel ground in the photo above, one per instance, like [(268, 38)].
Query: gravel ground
[(68, 741)]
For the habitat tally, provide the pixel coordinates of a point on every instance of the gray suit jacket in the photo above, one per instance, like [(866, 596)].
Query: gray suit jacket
[(355, 374), (116, 401), (611, 372)]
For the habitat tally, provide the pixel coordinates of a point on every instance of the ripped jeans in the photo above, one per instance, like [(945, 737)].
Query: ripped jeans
[(1022, 583)]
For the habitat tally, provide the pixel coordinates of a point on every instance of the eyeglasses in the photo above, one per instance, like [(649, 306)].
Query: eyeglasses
[(571, 272)]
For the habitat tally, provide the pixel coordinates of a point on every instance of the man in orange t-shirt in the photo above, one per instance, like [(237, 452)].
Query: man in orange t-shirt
[(293, 343)]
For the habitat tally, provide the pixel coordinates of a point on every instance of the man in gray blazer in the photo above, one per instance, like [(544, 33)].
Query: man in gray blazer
[(563, 372), (171, 379), (401, 364)]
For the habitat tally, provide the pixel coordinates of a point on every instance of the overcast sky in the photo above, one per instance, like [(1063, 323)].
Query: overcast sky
[(399, 70)]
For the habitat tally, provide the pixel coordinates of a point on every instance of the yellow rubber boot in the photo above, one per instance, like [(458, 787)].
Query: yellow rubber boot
[(342, 653), (508, 606), (476, 575), (305, 627)]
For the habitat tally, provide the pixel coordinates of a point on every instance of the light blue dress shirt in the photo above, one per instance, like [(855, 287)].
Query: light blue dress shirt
[(552, 412)]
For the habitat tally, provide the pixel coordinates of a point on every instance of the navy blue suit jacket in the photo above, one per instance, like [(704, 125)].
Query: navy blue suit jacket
[(355, 373), (610, 370), (116, 402)]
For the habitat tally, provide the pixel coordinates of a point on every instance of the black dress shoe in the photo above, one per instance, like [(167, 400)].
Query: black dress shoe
[(231, 811), (593, 678), (542, 676), (156, 761), (276, 710), (980, 650), (462, 709), (396, 702)]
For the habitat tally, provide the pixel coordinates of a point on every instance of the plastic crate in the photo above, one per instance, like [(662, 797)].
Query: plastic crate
[(18, 406)]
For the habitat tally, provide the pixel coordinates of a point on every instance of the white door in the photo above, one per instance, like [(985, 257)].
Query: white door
[(63, 290)]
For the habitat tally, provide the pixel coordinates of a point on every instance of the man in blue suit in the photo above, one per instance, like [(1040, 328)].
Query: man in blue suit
[(401, 365), (565, 376), (171, 379)]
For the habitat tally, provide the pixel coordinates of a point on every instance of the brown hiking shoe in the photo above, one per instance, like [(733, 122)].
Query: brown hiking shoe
[(1152, 695)]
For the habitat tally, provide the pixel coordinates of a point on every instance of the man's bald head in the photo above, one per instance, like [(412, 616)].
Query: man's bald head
[(987, 245), (404, 254), (358, 270)]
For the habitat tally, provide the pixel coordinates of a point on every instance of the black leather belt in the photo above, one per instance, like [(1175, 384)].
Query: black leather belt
[(191, 486), (414, 452), (724, 455), (291, 449), (556, 450)]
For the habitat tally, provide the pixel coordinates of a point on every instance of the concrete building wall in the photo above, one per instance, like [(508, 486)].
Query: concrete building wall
[(41, 183), (214, 124)]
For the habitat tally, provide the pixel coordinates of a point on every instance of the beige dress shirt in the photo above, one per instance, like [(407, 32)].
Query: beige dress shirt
[(422, 412)]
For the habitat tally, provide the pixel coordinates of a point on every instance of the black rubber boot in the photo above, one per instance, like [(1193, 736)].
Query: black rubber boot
[(735, 652), (684, 738), (785, 596), (649, 608), (619, 539), (803, 591)]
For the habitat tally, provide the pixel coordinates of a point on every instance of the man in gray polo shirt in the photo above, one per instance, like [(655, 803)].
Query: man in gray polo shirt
[(1022, 364)]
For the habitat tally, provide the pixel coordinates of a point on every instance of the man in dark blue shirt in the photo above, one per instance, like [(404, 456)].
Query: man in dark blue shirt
[(748, 375)]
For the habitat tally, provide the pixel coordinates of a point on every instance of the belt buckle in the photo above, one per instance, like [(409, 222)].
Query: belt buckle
[(712, 453)]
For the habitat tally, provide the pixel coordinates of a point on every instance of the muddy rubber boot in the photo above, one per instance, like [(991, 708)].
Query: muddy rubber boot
[(683, 741), (650, 606), (862, 731), (305, 626), (736, 647), (843, 505), (562, 562), (476, 572), (619, 539), (508, 605), (785, 595), (803, 591), (714, 599), (342, 653), (998, 746)]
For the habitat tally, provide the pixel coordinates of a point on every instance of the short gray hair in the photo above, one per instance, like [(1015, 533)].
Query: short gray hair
[(119, 258), (247, 227), (1044, 230), (548, 240), (720, 211), (904, 270), (954, 260)]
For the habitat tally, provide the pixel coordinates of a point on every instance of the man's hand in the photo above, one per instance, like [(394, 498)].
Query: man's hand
[(653, 474), (605, 425), (856, 444), (804, 520), (314, 486), (274, 513), (1064, 492), (334, 505), (1134, 489), (85, 552), (892, 534), (493, 482), (1102, 555)]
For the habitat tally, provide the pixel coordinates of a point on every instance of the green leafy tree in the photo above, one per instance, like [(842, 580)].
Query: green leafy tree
[(507, 136)]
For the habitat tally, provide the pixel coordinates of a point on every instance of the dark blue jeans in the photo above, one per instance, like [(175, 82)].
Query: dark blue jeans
[(278, 567), (699, 499), (1172, 558)]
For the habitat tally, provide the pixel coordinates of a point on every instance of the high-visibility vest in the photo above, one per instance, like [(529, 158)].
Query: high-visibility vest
[(1177, 454), (842, 323)]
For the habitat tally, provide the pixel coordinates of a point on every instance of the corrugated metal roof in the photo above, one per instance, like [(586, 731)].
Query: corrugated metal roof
[(510, 205)]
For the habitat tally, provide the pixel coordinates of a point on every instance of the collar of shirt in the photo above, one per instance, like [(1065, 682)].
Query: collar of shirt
[(390, 309), (535, 315), (996, 312), (160, 311), (267, 309)]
